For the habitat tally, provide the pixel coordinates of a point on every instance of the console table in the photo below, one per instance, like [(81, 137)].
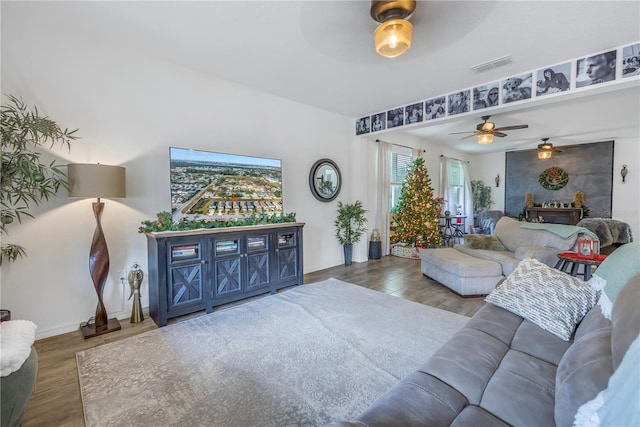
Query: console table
[(569, 216), (197, 270)]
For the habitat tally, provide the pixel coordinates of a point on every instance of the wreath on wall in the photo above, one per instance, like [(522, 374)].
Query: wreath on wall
[(553, 178)]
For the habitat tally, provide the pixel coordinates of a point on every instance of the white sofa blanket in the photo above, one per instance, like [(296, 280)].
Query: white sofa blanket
[(16, 339)]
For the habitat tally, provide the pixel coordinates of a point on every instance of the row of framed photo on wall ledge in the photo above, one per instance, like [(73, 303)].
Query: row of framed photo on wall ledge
[(602, 68)]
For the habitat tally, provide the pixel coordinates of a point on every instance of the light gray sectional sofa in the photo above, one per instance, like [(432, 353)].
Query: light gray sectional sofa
[(501, 369), (475, 270)]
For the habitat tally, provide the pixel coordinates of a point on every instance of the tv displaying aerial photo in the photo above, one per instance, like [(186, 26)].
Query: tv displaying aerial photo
[(220, 186)]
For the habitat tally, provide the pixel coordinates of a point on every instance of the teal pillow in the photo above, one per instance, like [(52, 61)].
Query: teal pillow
[(617, 404), (614, 272)]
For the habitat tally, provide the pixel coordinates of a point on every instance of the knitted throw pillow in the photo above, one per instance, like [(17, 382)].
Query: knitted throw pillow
[(553, 300)]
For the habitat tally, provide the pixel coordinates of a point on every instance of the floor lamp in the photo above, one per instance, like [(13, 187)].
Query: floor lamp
[(96, 180)]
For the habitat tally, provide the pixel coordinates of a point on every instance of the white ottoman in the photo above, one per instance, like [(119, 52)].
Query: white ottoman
[(464, 274)]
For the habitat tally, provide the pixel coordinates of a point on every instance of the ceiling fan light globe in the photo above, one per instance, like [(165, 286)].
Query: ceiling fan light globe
[(393, 38), (485, 138), (544, 155), (488, 126)]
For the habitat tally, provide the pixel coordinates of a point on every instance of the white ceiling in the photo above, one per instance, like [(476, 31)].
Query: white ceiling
[(320, 53)]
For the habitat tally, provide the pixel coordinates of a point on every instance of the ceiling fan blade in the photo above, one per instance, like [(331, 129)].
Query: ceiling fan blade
[(458, 133), (512, 127), (466, 137), (500, 134)]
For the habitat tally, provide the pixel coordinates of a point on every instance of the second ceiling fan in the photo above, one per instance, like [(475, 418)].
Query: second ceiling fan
[(487, 130)]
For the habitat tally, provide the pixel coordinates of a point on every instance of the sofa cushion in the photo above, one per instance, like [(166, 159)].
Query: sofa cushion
[(535, 341), (592, 321), (553, 300), (521, 390), (625, 321), (506, 259), (582, 373), (483, 241), (496, 322), (510, 233), (474, 416), (547, 256), (418, 400), (452, 365)]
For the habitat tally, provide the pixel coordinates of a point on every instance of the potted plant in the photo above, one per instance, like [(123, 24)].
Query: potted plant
[(26, 181), (481, 195), (350, 226)]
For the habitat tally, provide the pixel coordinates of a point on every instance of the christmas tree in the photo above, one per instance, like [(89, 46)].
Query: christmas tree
[(416, 218)]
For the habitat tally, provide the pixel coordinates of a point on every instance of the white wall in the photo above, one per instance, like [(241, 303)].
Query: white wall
[(130, 109)]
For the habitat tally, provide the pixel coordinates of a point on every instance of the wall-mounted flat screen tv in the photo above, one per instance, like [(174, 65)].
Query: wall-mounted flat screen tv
[(220, 186)]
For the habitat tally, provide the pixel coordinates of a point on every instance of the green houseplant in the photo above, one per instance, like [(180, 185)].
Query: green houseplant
[(481, 195), (350, 226), (26, 181)]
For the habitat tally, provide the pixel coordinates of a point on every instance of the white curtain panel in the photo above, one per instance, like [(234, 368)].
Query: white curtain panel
[(468, 198), (383, 185), (444, 182)]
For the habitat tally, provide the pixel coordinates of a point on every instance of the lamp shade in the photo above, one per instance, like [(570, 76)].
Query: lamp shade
[(393, 37), (485, 138), (96, 180)]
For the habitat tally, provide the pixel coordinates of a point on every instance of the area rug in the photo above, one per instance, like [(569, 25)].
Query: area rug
[(307, 356)]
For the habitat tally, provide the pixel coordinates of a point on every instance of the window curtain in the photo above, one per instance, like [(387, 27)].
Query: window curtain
[(444, 182), (383, 185), (468, 198)]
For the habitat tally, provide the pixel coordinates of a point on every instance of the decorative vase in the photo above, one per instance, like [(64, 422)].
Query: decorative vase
[(348, 250), (447, 213)]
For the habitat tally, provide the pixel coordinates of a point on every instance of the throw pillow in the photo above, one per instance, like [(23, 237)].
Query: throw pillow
[(483, 241), (614, 272), (553, 300)]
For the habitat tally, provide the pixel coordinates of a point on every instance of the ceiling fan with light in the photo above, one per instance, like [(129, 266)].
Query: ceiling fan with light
[(546, 149), (487, 130), (392, 37)]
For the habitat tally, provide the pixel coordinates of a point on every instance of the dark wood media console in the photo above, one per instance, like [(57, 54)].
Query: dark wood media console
[(197, 270), (569, 216)]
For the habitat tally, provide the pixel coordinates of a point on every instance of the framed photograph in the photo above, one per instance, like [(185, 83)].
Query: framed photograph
[(435, 108), (486, 96), (363, 125), (395, 118), (378, 122), (459, 102), (631, 60), (553, 79), (596, 69), (413, 113), (516, 88)]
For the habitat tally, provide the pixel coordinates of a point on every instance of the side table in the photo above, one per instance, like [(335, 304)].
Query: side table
[(574, 260)]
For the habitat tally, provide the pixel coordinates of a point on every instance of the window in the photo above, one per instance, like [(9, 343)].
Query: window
[(456, 189), (400, 164)]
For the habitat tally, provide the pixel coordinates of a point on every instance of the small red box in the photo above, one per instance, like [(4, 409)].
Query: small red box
[(588, 247)]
